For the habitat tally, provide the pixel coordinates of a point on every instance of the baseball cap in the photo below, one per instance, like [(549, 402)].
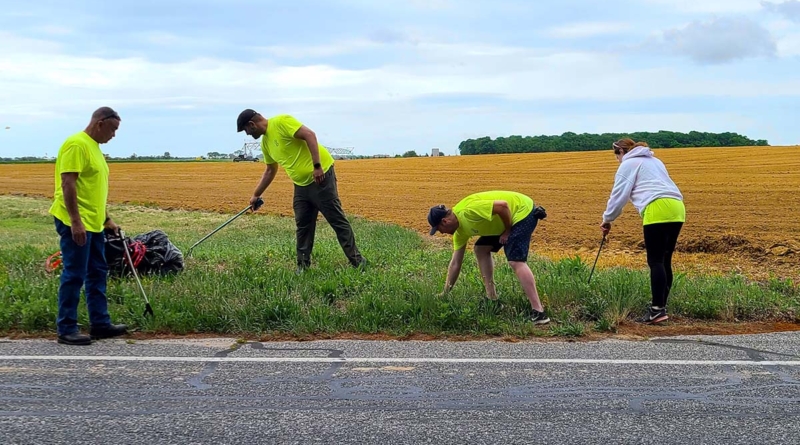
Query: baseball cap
[(435, 216), (244, 117)]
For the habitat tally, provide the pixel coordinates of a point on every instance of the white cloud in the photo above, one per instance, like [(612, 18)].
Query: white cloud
[(789, 46), (789, 9), (323, 50), (718, 40), (709, 6), (432, 4), (34, 75), (54, 30), (587, 29)]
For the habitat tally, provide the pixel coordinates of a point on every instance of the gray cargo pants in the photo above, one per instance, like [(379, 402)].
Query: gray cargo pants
[(311, 199)]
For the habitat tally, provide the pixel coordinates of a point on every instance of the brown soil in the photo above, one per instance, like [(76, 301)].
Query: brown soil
[(627, 331)]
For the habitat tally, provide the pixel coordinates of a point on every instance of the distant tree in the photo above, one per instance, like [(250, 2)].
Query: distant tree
[(216, 155), (410, 154), (588, 142)]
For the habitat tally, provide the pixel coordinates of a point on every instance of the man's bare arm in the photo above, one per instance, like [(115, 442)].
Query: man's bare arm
[(501, 208), (310, 137), (454, 269), (266, 179), (70, 191)]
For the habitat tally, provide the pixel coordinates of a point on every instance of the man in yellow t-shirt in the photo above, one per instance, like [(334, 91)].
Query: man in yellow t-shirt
[(287, 143), (501, 219), (79, 212)]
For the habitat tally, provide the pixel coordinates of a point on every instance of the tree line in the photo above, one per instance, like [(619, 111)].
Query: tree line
[(589, 142)]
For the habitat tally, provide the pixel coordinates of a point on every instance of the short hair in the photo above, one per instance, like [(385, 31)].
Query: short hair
[(104, 113)]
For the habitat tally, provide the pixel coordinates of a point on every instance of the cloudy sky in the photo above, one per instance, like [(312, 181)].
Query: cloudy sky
[(386, 76)]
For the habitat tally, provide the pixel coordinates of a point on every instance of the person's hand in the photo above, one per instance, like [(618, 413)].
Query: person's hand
[(319, 175), (78, 233), (504, 236), (112, 226), (256, 203), (605, 228)]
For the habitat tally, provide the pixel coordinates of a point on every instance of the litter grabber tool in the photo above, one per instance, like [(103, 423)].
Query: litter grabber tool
[(148, 310), (258, 204), (597, 258)]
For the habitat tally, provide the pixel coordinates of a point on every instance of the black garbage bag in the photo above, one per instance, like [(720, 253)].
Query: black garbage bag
[(151, 253), (161, 256)]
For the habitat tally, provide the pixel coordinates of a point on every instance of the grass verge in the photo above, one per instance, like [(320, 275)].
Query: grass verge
[(242, 281)]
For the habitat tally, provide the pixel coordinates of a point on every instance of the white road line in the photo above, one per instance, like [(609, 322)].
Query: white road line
[(118, 358)]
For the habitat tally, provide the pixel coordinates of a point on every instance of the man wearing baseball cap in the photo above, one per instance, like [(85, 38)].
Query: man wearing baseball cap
[(501, 219), (293, 146)]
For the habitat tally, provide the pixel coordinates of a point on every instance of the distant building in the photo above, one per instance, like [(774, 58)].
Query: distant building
[(435, 152)]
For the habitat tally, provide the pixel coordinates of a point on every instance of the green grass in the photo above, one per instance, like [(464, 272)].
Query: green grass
[(242, 281)]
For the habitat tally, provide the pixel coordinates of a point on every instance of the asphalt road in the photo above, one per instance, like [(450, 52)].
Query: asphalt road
[(731, 390)]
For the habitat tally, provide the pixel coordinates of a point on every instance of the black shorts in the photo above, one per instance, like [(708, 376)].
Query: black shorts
[(519, 241)]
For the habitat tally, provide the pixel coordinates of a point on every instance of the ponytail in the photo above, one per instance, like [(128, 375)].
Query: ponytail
[(627, 144)]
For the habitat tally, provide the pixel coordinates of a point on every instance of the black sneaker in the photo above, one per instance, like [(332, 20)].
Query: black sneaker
[(539, 317), (654, 316)]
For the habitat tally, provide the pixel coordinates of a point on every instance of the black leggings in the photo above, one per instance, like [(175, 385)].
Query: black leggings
[(660, 240)]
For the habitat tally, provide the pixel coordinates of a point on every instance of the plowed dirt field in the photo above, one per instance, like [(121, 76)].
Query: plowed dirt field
[(743, 204)]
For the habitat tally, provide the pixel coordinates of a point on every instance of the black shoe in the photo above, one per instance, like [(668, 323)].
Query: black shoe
[(110, 331), (539, 317), (362, 265), (76, 339), (654, 316)]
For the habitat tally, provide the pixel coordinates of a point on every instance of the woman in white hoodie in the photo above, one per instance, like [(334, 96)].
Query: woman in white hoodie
[(643, 179)]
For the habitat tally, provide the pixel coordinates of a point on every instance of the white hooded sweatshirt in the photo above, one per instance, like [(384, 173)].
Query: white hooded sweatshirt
[(641, 178)]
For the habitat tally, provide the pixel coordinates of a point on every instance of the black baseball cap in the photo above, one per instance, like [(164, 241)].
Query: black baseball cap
[(435, 216), (244, 117)]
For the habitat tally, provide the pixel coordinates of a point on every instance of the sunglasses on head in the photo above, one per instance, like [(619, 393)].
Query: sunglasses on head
[(112, 115)]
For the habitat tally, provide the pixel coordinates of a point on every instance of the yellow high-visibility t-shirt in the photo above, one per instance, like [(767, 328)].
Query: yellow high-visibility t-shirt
[(475, 217), (82, 155), (280, 146)]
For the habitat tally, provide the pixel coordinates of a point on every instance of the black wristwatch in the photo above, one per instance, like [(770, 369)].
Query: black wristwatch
[(317, 165), (107, 218)]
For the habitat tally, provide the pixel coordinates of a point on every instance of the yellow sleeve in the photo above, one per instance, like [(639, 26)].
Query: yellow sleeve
[(478, 211), (72, 159), (288, 126), (459, 240)]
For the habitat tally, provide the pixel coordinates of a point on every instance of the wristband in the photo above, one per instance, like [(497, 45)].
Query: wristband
[(317, 165), (106, 221)]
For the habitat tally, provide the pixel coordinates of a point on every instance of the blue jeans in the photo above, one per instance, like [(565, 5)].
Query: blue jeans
[(83, 266)]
